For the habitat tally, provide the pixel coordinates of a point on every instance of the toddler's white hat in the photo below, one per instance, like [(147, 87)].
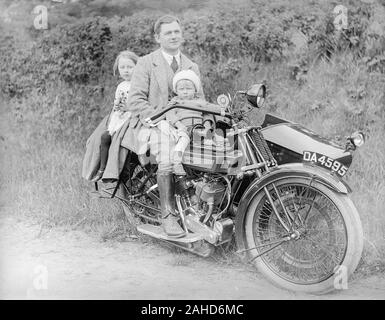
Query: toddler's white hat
[(186, 75)]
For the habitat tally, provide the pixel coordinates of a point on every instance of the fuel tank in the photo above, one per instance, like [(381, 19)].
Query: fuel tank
[(288, 140)]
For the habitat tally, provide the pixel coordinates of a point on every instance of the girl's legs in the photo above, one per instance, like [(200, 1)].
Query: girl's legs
[(104, 147), (105, 143)]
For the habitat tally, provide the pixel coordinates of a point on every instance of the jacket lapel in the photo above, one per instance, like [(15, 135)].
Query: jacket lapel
[(185, 63), (160, 71)]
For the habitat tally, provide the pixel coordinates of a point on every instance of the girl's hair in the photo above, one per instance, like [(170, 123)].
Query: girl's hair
[(125, 54)]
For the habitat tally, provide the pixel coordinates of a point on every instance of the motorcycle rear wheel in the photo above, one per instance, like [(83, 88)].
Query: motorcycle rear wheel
[(324, 250)]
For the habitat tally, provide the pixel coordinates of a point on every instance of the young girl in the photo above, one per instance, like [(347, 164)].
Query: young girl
[(125, 63)]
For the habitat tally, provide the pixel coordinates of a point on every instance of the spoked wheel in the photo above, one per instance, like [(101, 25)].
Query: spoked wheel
[(137, 183), (325, 235)]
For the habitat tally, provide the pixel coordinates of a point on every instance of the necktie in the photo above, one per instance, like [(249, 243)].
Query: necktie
[(174, 65)]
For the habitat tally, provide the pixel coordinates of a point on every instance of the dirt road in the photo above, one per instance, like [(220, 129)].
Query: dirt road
[(60, 264)]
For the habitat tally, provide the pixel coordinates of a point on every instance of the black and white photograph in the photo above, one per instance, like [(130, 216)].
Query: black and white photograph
[(202, 151)]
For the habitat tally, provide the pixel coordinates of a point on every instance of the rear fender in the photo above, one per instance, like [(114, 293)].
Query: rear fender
[(293, 170)]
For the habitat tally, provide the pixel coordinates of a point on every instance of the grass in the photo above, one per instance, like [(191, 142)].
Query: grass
[(41, 180)]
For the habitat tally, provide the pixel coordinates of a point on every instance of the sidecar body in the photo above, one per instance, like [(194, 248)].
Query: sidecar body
[(287, 141)]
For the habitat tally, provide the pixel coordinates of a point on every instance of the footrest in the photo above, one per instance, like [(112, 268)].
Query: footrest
[(157, 232)]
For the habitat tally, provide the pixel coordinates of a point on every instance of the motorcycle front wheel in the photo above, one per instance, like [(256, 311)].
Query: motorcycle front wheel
[(319, 252)]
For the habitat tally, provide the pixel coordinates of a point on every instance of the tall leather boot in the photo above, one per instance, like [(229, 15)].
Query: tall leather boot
[(166, 187)]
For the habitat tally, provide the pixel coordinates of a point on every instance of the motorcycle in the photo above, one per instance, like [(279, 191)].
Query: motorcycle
[(277, 189)]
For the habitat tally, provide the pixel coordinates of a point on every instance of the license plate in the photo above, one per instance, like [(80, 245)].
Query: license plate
[(325, 162)]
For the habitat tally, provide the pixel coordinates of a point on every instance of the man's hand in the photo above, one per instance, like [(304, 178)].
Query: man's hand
[(150, 123)]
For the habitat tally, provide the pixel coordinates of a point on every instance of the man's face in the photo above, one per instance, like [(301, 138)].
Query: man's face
[(170, 36)]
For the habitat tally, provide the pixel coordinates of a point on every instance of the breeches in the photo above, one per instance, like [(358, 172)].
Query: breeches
[(162, 144)]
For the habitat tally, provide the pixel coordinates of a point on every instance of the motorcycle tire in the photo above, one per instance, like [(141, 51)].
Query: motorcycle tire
[(329, 245)]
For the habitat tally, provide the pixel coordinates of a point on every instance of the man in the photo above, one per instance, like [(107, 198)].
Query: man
[(151, 89)]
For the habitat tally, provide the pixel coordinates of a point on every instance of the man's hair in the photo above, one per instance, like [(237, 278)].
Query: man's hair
[(163, 20), (125, 54)]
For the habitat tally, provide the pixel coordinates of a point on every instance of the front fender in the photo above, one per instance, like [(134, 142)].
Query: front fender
[(293, 170)]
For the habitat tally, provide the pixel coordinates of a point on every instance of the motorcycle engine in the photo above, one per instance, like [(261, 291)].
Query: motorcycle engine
[(204, 201), (204, 196), (210, 192)]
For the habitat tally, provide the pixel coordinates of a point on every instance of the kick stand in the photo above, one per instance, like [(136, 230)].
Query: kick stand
[(116, 188)]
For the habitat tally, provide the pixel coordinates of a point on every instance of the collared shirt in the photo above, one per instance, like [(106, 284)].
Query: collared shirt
[(169, 57)]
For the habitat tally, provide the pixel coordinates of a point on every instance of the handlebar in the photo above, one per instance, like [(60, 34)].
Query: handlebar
[(206, 110)]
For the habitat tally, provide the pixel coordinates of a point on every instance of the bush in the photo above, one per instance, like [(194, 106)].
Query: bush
[(75, 53), (134, 33), (14, 67), (72, 53)]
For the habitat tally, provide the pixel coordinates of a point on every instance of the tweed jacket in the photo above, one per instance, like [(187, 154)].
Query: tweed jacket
[(151, 88)]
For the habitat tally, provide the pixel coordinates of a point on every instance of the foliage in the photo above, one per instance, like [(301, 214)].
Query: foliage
[(134, 33), (74, 53), (83, 52)]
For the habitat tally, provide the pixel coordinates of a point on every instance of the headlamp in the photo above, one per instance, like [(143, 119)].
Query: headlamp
[(357, 138)]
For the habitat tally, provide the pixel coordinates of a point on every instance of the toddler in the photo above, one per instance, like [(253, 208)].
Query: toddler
[(186, 84)]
